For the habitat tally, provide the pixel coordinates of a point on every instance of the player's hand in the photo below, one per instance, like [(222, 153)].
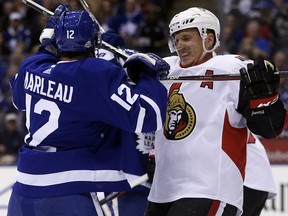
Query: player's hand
[(48, 31), (260, 79), (112, 38), (52, 21), (149, 64)]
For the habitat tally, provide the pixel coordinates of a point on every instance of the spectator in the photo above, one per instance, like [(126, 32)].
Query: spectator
[(280, 60), (106, 11), (248, 49), (125, 24), (4, 51), (232, 31), (7, 8), (262, 44), (279, 24), (152, 33), (17, 34), (10, 139), (6, 98)]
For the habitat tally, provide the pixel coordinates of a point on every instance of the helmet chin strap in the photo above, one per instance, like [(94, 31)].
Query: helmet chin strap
[(205, 50)]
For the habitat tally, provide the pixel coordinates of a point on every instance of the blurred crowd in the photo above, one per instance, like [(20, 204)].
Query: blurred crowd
[(252, 28)]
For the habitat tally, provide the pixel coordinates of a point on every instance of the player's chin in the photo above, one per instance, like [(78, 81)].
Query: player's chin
[(187, 62)]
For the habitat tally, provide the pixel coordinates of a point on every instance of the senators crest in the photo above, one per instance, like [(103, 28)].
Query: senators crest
[(180, 116)]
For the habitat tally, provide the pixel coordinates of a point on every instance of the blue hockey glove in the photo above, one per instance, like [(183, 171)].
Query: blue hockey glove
[(260, 79), (48, 31), (112, 38), (149, 63)]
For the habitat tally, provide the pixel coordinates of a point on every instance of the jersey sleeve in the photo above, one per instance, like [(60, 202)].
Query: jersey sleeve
[(135, 108)]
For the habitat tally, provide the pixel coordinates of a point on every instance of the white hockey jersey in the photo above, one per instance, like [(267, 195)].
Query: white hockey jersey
[(201, 151), (258, 173)]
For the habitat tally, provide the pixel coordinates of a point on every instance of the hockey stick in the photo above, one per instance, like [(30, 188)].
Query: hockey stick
[(9, 187), (45, 11), (87, 8), (111, 48), (38, 7), (133, 184), (216, 77), (219, 77)]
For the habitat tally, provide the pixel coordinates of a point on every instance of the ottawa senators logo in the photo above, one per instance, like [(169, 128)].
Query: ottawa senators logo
[(180, 116)]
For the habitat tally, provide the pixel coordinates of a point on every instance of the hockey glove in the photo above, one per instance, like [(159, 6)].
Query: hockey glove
[(149, 64), (112, 38), (47, 35), (259, 99), (151, 165), (260, 80)]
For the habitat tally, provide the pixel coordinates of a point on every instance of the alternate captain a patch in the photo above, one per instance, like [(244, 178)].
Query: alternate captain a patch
[(180, 116)]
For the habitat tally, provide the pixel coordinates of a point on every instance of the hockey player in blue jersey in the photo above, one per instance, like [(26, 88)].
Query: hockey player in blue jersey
[(72, 102)]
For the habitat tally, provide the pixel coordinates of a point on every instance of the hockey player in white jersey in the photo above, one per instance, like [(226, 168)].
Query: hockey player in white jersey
[(201, 151), (259, 184), (76, 107)]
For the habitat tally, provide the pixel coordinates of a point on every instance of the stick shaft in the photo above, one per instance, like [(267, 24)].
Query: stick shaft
[(217, 77), (38, 7), (87, 8), (133, 184)]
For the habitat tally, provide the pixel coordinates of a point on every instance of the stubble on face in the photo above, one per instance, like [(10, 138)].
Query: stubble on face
[(189, 47)]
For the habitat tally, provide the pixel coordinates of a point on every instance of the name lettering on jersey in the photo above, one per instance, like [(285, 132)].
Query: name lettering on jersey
[(180, 116), (145, 142), (48, 88), (210, 83)]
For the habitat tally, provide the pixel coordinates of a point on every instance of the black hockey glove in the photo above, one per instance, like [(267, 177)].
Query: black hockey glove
[(47, 36), (260, 79), (259, 99), (151, 165), (149, 64)]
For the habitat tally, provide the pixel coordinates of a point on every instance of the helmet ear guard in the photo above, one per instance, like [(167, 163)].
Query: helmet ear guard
[(195, 17)]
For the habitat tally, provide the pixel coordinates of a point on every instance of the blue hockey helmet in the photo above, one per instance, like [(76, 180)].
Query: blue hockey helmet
[(76, 32)]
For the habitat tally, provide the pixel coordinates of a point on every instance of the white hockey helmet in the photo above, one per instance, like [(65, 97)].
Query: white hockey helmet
[(195, 17)]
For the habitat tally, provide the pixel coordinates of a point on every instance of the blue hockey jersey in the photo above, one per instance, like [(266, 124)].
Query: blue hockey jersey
[(80, 116)]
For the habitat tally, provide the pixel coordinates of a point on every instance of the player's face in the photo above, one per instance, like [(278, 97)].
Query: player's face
[(189, 47)]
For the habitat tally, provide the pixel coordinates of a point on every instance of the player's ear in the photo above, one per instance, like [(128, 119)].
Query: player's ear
[(210, 41)]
